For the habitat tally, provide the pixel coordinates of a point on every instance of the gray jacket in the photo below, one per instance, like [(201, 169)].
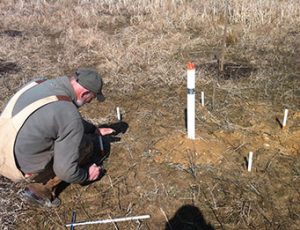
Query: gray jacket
[(52, 132)]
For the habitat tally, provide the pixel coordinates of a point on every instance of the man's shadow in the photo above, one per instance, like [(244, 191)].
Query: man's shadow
[(188, 217), (102, 145)]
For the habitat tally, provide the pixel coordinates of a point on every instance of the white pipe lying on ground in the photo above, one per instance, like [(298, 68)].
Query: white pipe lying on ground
[(191, 100), (250, 159), (109, 220), (286, 112)]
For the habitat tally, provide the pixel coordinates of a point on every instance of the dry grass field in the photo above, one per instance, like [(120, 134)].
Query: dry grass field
[(247, 55)]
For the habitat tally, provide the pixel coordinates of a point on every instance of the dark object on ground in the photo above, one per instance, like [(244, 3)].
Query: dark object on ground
[(32, 198), (119, 127), (12, 33)]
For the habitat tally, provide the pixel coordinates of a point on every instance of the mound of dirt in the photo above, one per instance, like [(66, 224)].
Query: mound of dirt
[(178, 149), (291, 142), (210, 148)]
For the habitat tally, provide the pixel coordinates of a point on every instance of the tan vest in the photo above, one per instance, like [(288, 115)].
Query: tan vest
[(9, 128)]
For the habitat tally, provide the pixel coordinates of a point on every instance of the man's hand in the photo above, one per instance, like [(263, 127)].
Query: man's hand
[(104, 131), (94, 172)]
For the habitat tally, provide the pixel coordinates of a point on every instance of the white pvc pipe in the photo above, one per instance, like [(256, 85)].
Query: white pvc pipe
[(286, 112), (118, 114), (109, 220), (250, 159), (191, 100), (202, 98)]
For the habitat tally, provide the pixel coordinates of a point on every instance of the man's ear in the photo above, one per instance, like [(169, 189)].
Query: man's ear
[(85, 94)]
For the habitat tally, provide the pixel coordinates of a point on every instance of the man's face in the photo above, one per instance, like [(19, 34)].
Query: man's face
[(85, 99)]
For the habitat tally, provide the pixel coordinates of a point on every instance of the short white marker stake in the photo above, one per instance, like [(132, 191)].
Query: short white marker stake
[(118, 114), (202, 98), (286, 112), (191, 100), (250, 160)]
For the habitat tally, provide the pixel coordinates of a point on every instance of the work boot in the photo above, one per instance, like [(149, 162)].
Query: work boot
[(32, 198), (42, 194)]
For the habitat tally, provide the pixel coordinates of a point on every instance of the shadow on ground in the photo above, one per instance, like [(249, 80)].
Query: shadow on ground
[(188, 217)]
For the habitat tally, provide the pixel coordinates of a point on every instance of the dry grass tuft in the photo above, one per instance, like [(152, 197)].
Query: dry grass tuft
[(11, 207)]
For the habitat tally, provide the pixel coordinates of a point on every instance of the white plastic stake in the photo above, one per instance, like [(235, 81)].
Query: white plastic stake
[(118, 114), (250, 159), (286, 112), (202, 99), (191, 100), (109, 220)]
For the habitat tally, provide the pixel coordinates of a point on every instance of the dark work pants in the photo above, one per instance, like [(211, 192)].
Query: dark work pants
[(44, 183)]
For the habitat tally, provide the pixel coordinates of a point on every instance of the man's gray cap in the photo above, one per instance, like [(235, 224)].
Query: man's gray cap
[(91, 80)]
